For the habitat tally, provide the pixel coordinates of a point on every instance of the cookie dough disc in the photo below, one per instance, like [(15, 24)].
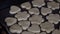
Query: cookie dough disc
[(56, 32), (45, 11), (34, 28), (34, 11), (15, 28), (53, 18), (38, 3), (14, 9), (26, 32), (22, 15), (42, 33), (26, 5), (46, 28), (50, 0), (53, 5), (10, 21), (36, 19), (25, 24)]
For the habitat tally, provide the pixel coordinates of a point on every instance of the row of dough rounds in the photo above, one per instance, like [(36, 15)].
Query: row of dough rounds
[(36, 3), (23, 20), (34, 28), (25, 25), (39, 3), (35, 19), (44, 11)]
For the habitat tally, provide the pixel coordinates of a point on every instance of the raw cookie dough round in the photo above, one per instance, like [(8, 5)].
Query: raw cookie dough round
[(26, 5), (56, 32), (14, 9), (45, 11), (10, 21), (15, 28), (26, 32), (34, 28), (42, 33), (36, 19), (25, 24), (48, 27), (50, 0), (53, 5), (34, 11), (22, 15), (53, 18), (38, 3)]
